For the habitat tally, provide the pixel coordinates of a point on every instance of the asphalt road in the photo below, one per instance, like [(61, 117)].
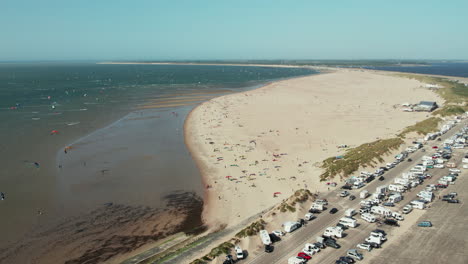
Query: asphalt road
[(293, 243)]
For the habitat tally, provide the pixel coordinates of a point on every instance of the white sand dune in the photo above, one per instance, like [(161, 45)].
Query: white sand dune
[(251, 144)]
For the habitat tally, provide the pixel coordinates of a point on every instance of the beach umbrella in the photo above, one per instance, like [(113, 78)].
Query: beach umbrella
[(276, 193), (228, 177)]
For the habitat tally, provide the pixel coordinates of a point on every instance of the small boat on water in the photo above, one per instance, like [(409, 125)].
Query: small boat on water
[(2, 196), (73, 123)]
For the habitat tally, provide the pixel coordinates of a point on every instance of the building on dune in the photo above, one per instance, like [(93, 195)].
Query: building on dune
[(427, 106)]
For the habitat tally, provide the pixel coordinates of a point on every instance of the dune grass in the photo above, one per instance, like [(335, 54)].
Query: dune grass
[(450, 110), (252, 229), (364, 155), (424, 127), (452, 92)]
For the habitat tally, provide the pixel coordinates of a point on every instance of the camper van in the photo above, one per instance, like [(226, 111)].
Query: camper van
[(350, 212), (317, 206), (368, 217), (363, 194), (396, 188), (333, 232), (381, 189), (349, 222), (265, 237), (395, 198), (381, 211), (418, 205), (291, 226)]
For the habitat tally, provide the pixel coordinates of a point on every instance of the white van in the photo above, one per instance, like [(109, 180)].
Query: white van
[(291, 226), (265, 237), (239, 252), (418, 205), (350, 212), (368, 217), (296, 260), (349, 222)]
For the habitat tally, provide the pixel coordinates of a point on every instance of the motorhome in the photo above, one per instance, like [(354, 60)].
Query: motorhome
[(426, 196), (265, 237), (381, 210), (381, 189), (317, 206), (349, 222), (333, 232), (291, 226), (309, 216), (402, 181), (373, 239), (407, 175), (418, 205), (395, 198), (368, 217), (396, 188), (428, 163), (350, 212), (363, 194)]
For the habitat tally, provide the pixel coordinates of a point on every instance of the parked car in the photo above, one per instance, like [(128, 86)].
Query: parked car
[(455, 170), (380, 231), (374, 245), (344, 193), (347, 260), (353, 253), (340, 262), (352, 197), (333, 210), (304, 255), (346, 187), (269, 248), (425, 224), (389, 204), (410, 160), (342, 226), (365, 246), (319, 245), (407, 209), (314, 211), (453, 201), (331, 243), (391, 222), (278, 233), (381, 178), (439, 166)]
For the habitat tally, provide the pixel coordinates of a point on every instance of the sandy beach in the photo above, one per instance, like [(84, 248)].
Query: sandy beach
[(254, 144)]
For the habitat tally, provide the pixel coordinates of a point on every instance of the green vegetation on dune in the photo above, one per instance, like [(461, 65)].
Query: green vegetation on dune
[(450, 110), (423, 127), (252, 229), (367, 154), (452, 92)]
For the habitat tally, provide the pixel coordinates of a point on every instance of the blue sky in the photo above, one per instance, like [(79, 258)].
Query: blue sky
[(234, 29)]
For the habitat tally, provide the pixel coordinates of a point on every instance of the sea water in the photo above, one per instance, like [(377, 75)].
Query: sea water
[(77, 137)]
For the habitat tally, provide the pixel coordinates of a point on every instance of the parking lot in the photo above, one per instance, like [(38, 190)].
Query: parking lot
[(293, 243), (444, 242)]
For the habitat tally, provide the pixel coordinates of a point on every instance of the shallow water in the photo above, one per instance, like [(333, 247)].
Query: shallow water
[(120, 154)]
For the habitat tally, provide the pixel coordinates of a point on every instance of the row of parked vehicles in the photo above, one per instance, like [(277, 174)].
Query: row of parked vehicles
[(372, 210), (377, 207)]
